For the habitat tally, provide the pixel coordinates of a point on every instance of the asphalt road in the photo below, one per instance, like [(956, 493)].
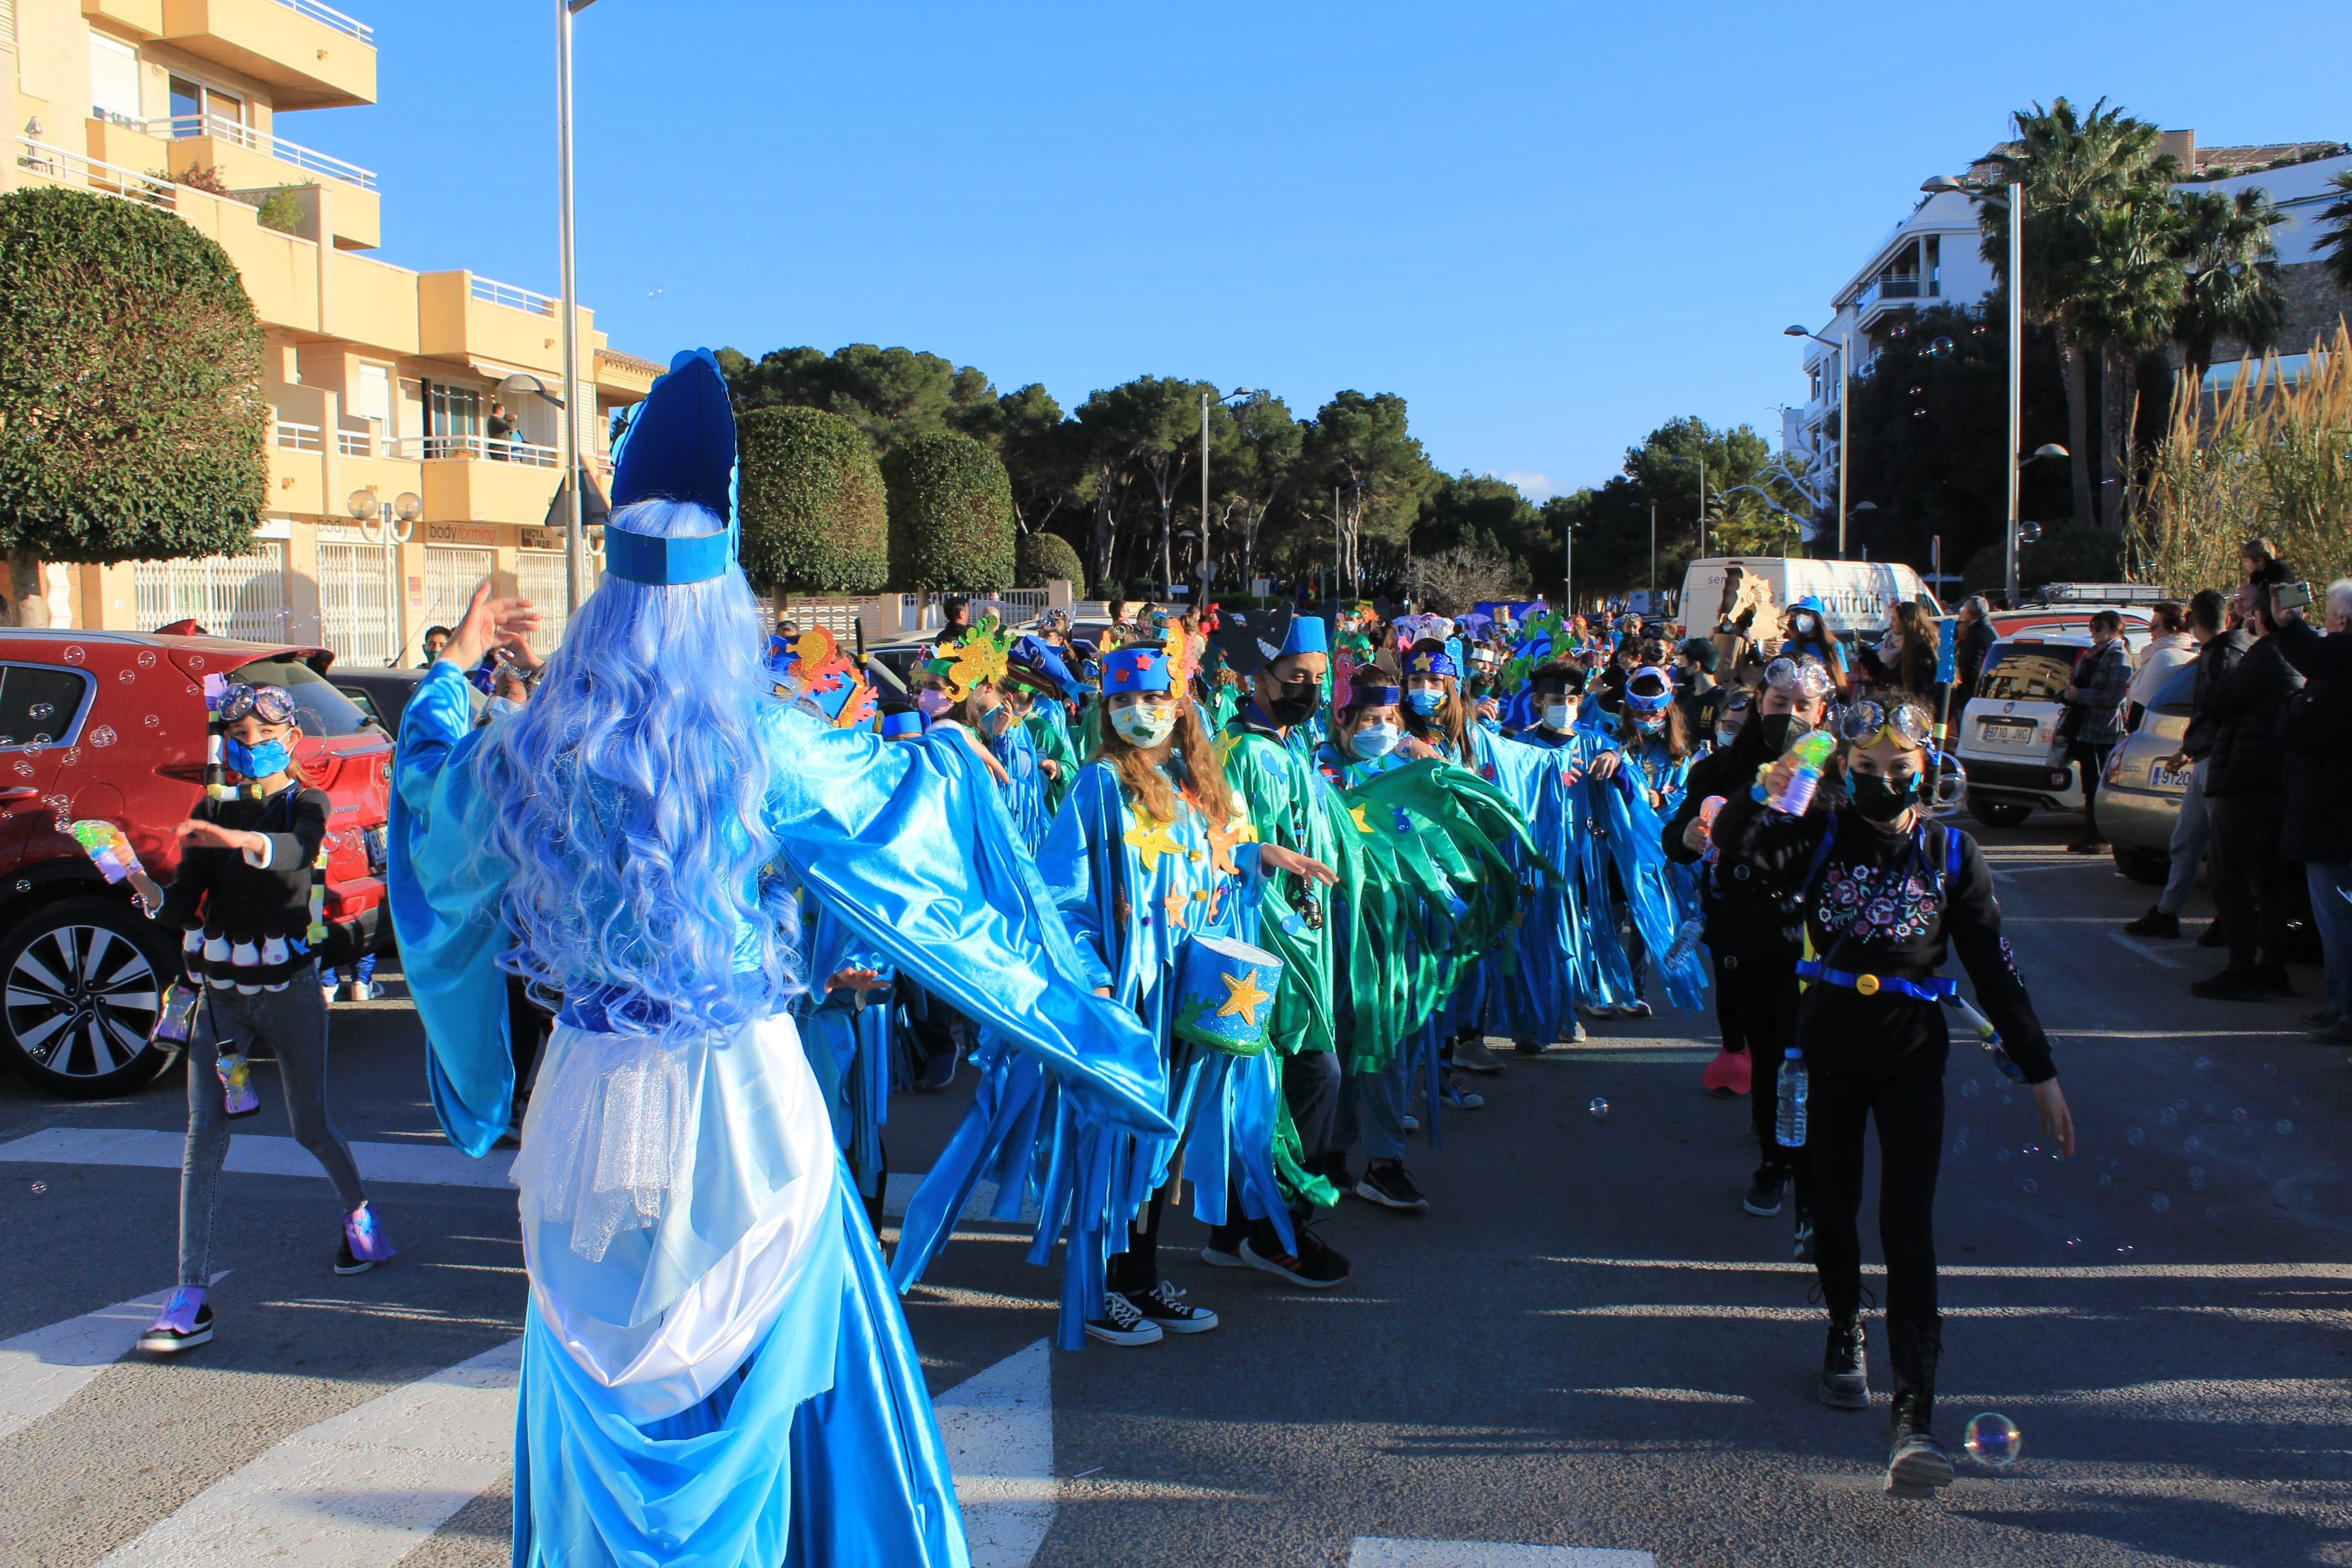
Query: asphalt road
[(1586, 1344)]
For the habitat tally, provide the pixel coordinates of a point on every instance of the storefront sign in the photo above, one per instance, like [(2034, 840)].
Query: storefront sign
[(461, 533)]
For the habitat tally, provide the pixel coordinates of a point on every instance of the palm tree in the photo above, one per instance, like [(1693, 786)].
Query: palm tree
[(2076, 170), (2231, 288), (2127, 302), (2337, 241)]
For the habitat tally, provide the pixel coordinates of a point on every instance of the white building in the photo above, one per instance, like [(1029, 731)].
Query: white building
[(1931, 258)]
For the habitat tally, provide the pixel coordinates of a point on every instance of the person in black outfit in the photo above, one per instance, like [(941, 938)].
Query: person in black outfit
[(1974, 641), (1699, 697), (2253, 885), (1884, 892), (2317, 732), (1753, 932)]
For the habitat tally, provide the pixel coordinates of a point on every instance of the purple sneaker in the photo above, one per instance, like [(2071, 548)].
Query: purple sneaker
[(185, 1323), (237, 1086), (364, 1243)]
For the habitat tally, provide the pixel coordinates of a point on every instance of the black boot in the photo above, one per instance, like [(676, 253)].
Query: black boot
[(1917, 1464), (1846, 1373)]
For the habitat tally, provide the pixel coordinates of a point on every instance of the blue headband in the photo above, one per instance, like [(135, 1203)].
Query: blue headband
[(680, 445), (1375, 697), (907, 722), (1432, 663), (1306, 636)]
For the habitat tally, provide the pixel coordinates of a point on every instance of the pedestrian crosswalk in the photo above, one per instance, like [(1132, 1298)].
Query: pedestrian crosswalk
[(1380, 1552), (432, 1163)]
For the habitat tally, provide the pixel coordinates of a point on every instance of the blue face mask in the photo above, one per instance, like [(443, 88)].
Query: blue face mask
[(1425, 702), (1376, 740), (256, 761), (498, 707)]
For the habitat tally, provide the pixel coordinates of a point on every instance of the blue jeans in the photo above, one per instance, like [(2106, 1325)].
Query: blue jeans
[(2331, 911)]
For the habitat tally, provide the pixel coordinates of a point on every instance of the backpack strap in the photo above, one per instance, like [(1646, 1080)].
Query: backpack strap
[(1820, 857)]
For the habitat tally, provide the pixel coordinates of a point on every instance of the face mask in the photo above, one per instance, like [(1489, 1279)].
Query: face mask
[(498, 707), (1143, 724), (1804, 627), (1296, 703), (1377, 740), (1649, 723), (1425, 702), (1556, 715), (1778, 732), (1879, 798), (256, 761), (997, 719), (933, 703), (1726, 733)]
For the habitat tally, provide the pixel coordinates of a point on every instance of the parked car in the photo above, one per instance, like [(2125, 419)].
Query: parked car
[(112, 725), (382, 695), (2140, 793), (2009, 732)]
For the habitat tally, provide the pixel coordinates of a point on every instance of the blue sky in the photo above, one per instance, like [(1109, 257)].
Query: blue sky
[(1548, 227)]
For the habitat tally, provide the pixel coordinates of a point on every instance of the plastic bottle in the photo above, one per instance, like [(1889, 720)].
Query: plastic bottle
[(1812, 755), (1788, 1118), (1686, 937)]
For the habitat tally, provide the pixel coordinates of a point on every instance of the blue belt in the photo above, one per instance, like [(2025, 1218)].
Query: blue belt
[(1934, 990)]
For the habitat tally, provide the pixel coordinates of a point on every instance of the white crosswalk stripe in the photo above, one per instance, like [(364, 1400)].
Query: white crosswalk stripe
[(41, 1370), (1380, 1552), (431, 1164)]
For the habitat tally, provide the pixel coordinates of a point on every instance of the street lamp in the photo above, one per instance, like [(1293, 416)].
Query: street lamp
[(395, 524), (1568, 581), (1207, 394), (2014, 201), (1845, 346), (575, 539)]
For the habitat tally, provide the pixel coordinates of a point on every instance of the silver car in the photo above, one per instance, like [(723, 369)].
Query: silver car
[(2139, 795)]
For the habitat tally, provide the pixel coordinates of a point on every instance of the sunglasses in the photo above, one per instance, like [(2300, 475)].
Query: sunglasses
[(1807, 679), (270, 704), (1864, 722)]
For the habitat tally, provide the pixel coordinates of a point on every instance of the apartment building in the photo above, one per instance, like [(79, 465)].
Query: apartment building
[(1931, 258), (427, 402)]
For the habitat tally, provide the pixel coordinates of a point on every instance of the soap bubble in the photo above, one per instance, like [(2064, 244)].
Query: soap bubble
[(2106, 1178), (24, 768), (2004, 1097), (2196, 1178), (103, 736), (1600, 1109), (2168, 1117), (74, 654), (196, 661), (2238, 1114), (2001, 1154), (146, 659), (126, 676), (2284, 1126), (23, 886), (154, 722), (2159, 1203), (41, 709), (2270, 1069), (2074, 1244), (1959, 1145), (1941, 348), (73, 756), (2134, 1136), (40, 1187), (1991, 1438), (2030, 1184), (2204, 1064)]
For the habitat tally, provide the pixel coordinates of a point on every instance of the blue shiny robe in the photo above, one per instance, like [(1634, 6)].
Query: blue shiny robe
[(847, 1035), (815, 1444)]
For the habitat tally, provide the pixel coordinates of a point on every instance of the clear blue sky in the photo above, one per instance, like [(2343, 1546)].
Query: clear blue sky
[(1548, 227)]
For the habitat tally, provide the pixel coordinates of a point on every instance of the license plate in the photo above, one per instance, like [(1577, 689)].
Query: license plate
[(2161, 777), (2008, 731)]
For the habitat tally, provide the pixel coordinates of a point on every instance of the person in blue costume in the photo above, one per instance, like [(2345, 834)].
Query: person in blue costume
[(1433, 713), (1805, 634), (1535, 1002), (1654, 756), (1037, 688), (965, 682), (715, 1369)]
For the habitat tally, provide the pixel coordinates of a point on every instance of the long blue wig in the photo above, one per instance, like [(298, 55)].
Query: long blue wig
[(631, 790)]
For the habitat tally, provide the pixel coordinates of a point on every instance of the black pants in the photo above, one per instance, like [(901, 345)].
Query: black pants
[(1135, 1271), (1910, 1116), (527, 1026), (1310, 1087), (933, 1024), (2253, 889), (2094, 761), (1756, 1006)]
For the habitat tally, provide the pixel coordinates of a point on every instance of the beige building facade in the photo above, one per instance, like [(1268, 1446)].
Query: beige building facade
[(430, 402)]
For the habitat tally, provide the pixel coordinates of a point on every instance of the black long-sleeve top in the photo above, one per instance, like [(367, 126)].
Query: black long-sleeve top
[(1744, 913), (231, 895), (1880, 903)]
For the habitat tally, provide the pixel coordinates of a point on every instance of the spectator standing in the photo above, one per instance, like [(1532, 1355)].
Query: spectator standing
[(2316, 825), (2093, 719), (1975, 640), (1700, 698), (501, 427), (435, 639), (2217, 652), (2169, 646), (2252, 883)]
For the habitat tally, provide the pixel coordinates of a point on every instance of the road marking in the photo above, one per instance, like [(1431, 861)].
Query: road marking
[(1669, 1395), (1992, 1270), (999, 1430), (2120, 940), (253, 1154), (1380, 1552), (360, 1490), (44, 1368)]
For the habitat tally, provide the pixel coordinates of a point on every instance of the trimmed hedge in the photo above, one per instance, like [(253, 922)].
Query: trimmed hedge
[(812, 503), (1039, 558), (132, 423), (951, 514)]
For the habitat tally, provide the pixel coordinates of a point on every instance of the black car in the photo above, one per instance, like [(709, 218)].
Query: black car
[(382, 694)]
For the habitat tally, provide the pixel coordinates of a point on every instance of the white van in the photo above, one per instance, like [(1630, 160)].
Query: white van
[(1857, 597)]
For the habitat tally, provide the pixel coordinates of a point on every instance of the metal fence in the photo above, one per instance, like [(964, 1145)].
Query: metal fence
[(451, 576), (542, 576), (838, 616), (1013, 606), (356, 613), (229, 595)]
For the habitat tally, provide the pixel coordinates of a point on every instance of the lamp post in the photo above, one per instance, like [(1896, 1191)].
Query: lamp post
[(1208, 393), (1845, 346), (395, 525), (1568, 567), (575, 539)]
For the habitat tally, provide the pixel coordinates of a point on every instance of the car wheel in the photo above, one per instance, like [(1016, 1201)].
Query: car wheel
[(1999, 813), (84, 981), (2149, 868)]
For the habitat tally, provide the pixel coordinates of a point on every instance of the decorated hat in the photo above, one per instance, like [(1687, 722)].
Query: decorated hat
[(1252, 640), (1648, 690), (1040, 666), (903, 725), (812, 670), (1430, 657), (979, 653), (1224, 995), (679, 445), (1138, 668)]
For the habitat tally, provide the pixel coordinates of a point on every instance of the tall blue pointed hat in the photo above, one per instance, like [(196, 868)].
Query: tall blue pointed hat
[(679, 445)]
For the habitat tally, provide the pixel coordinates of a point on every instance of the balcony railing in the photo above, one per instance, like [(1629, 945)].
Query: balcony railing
[(293, 437), (328, 16), (477, 448), (72, 168), (310, 161), (355, 442), (492, 292)]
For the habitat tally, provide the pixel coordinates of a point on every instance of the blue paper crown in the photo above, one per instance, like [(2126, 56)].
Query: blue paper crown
[(1434, 661), (905, 723), (1375, 697), (680, 445), (1308, 634), (1661, 693), (1134, 670)]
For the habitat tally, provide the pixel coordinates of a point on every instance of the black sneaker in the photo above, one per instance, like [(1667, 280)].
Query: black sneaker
[(1164, 1304), (2320, 1019), (1316, 1267), (1122, 1323), (2156, 922), (1802, 1249), (2272, 978), (1386, 1183), (1526, 1047), (2212, 935), (2230, 985), (1845, 1369), (1763, 1197)]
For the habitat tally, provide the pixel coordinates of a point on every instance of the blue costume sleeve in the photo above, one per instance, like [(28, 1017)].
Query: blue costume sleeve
[(445, 907), (1067, 860)]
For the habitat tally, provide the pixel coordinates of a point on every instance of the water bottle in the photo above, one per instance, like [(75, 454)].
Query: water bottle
[(1788, 1120), (1685, 940), (1812, 755)]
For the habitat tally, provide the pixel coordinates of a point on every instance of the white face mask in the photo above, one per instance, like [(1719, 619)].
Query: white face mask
[(1556, 715), (1143, 724), (1377, 740)]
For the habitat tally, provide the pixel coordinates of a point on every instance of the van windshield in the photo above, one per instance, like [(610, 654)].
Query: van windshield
[(2028, 672)]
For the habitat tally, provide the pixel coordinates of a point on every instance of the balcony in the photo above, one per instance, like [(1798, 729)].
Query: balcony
[(248, 159), (470, 478), (310, 55), (495, 327), (1891, 293)]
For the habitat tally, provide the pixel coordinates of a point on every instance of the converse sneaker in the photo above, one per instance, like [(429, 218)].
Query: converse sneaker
[(364, 1243), (1164, 1304), (186, 1323), (1462, 1098), (1385, 1183), (1121, 1323)]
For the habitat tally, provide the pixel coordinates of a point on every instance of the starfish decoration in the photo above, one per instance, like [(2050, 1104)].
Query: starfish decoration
[(1356, 814), (1243, 997), (1222, 839), (1150, 838), (1174, 905)]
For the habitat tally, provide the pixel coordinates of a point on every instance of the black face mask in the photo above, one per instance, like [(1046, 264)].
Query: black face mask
[(1880, 798), (1778, 732), (1297, 702)]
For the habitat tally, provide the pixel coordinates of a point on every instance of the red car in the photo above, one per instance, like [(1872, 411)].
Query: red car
[(111, 725)]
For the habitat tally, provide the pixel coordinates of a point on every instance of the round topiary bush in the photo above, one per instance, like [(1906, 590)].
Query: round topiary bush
[(812, 503), (951, 514), (133, 424), (1042, 557)]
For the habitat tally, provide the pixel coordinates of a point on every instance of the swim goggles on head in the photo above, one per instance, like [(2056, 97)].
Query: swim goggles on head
[(1805, 678), (1862, 722), (270, 704)]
